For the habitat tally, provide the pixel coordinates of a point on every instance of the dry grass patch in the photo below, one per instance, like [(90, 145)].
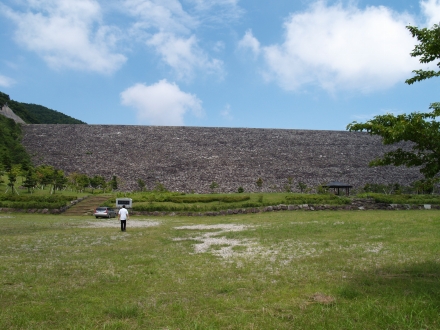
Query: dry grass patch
[(138, 223)]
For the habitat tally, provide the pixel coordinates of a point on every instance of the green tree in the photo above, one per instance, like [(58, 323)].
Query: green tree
[(288, 185), (425, 186), (72, 181), (428, 50), (30, 180), (141, 184), (12, 177), (421, 129), (44, 175), (213, 186), (114, 183), (259, 183), (97, 182), (11, 149), (83, 181), (2, 172), (160, 188), (59, 180), (302, 186)]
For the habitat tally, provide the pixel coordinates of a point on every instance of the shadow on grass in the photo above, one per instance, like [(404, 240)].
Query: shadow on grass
[(420, 279)]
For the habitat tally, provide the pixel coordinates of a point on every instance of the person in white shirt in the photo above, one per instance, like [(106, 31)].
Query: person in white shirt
[(123, 217)]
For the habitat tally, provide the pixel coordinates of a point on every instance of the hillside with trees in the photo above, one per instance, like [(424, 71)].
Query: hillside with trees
[(11, 149), (14, 159), (37, 114)]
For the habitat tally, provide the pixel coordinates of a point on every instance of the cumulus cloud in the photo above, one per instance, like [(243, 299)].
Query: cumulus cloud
[(184, 55), (162, 103), (431, 10), (67, 34), (169, 30), (249, 42), (6, 81), (163, 15), (340, 48)]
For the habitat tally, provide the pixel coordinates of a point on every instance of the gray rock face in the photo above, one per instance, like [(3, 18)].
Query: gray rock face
[(191, 158), (7, 112)]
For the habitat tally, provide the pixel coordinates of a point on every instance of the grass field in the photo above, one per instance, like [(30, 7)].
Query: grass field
[(286, 270)]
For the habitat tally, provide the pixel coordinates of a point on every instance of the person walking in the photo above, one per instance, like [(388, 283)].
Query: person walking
[(123, 217)]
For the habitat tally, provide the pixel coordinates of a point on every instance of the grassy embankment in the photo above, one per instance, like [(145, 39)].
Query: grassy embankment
[(37, 199), (178, 202), (288, 270)]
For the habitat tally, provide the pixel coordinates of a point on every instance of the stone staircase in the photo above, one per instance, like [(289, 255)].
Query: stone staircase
[(87, 206)]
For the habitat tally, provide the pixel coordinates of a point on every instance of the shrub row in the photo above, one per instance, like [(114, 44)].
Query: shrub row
[(39, 199), (180, 207), (32, 205), (406, 199), (208, 199), (317, 199), (181, 198)]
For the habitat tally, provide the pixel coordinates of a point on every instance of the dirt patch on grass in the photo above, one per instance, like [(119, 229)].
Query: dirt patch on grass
[(214, 241), (321, 298), (138, 223)]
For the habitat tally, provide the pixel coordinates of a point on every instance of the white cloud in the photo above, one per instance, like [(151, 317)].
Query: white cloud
[(250, 42), (67, 34), (170, 30), (162, 103), (340, 48), (184, 55), (226, 113), (218, 11), (6, 81), (162, 15), (431, 10)]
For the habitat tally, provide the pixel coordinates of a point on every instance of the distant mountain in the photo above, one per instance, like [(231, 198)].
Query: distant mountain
[(37, 114)]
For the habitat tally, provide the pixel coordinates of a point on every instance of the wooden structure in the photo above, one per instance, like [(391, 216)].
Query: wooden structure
[(337, 186)]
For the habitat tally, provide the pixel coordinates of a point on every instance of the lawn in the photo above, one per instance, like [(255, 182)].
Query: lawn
[(284, 270)]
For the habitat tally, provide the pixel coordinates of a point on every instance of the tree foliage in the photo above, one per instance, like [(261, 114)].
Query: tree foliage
[(420, 129), (36, 114), (48, 116), (11, 150), (213, 186), (30, 180), (428, 50)]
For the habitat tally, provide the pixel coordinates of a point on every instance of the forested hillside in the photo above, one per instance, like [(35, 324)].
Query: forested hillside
[(37, 114), (48, 116), (19, 109), (11, 149)]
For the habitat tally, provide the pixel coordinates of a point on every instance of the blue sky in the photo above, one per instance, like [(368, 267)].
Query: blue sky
[(229, 63)]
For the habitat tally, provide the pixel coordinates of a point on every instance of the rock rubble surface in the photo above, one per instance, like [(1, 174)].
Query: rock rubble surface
[(189, 159)]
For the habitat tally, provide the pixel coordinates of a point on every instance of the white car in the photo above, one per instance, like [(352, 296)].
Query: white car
[(104, 212)]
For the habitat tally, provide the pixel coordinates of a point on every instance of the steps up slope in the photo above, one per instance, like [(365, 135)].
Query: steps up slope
[(87, 206)]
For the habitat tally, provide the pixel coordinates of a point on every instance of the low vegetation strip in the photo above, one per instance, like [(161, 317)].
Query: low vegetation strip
[(179, 202), (208, 199), (404, 199), (35, 202), (303, 270), (317, 199)]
